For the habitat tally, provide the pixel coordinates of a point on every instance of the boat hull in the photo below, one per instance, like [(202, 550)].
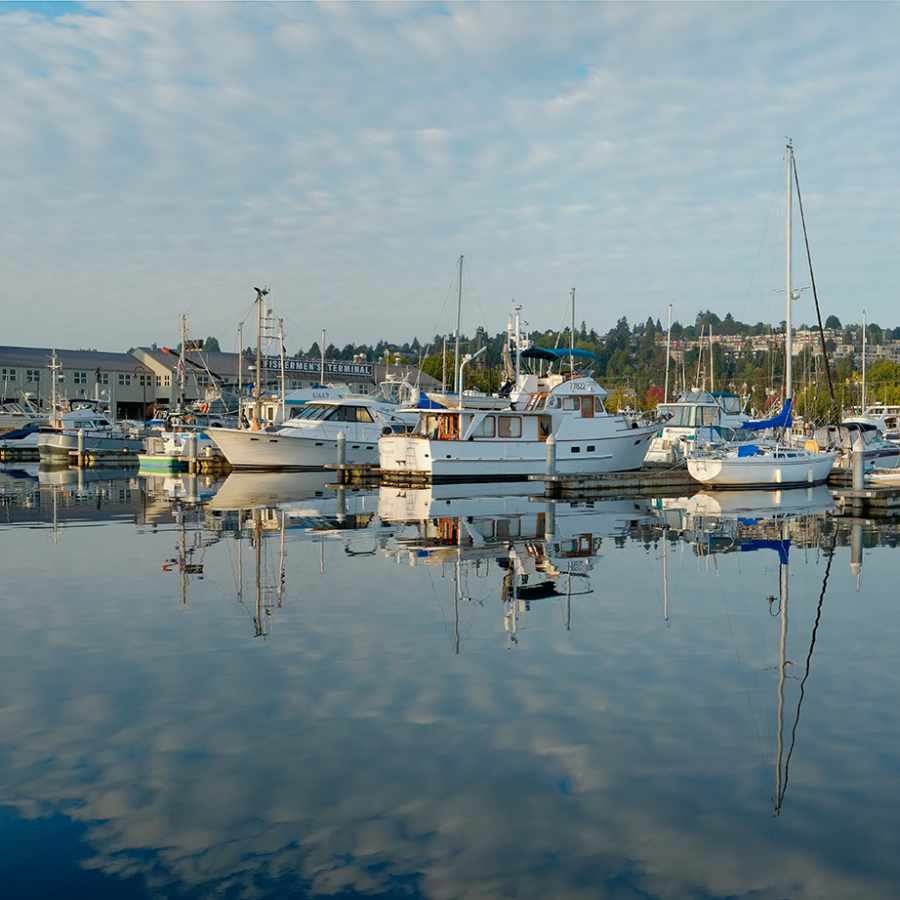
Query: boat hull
[(761, 472), (57, 447), (269, 450), (416, 457)]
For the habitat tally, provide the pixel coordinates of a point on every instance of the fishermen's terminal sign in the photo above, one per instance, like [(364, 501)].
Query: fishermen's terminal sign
[(314, 367)]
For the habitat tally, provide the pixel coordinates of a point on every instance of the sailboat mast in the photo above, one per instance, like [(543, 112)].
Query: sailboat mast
[(788, 289), (572, 338), (322, 359), (444, 366), (281, 343), (240, 362), (864, 330), (257, 391), (712, 362), (668, 352), (181, 363), (458, 319)]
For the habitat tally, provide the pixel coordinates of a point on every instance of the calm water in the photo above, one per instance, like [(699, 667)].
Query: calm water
[(257, 689)]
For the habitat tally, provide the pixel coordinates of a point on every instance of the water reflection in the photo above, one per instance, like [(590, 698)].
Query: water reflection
[(285, 688)]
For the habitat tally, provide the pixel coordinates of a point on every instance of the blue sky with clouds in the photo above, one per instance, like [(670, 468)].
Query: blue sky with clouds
[(156, 158)]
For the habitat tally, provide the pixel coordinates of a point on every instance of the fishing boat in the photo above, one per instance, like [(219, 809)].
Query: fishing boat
[(465, 444), (774, 462)]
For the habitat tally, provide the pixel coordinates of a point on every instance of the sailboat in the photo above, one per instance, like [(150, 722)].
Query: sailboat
[(767, 464)]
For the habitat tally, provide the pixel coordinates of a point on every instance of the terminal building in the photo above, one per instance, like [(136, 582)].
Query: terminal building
[(141, 382), (118, 378)]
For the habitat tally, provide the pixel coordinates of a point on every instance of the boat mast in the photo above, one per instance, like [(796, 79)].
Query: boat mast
[(444, 366), (240, 370), (257, 391), (788, 289), (322, 359), (518, 332), (281, 342), (458, 319), (572, 338), (181, 362), (668, 352), (712, 362), (864, 330)]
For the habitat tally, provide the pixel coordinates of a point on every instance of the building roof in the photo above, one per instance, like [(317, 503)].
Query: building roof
[(221, 364), (39, 358)]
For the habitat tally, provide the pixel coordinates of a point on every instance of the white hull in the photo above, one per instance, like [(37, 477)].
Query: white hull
[(761, 471), (419, 457), (271, 450), (58, 446)]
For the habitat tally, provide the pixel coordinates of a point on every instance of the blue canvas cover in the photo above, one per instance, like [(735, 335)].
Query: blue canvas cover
[(782, 420)]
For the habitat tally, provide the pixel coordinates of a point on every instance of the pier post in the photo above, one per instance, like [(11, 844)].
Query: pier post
[(80, 447), (857, 461), (551, 456), (191, 441)]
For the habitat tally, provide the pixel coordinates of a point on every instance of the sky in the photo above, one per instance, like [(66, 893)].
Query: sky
[(165, 158)]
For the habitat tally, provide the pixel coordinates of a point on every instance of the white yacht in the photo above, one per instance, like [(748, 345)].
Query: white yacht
[(693, 419), (884, 417), (309, 439), (100, 433), (472, 444), (770, 463), (18, 414)]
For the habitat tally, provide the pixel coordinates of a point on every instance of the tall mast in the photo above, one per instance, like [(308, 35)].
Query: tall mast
[(518, 335), (788, 289), (322, 359), (181, 362), (281, 343), (712, 362), (444, 366), (668, 352), (240, 361), (257, 391), (458, 319), (572, 338), (864, 330)]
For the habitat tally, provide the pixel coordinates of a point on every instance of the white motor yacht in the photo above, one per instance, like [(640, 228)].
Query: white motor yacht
[(309, 439), (475, 444)]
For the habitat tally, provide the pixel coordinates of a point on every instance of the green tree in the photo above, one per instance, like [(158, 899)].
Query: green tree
[(211, 345)]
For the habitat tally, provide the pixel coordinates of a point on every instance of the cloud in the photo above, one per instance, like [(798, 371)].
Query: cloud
[(425, 124)]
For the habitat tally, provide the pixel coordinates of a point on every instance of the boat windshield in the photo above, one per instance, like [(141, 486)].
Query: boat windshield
[(685, 415), (312, 412)]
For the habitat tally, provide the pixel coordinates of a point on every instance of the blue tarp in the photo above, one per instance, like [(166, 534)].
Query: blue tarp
[(553, 354), (782, 420), (425, 402), (748, 450)]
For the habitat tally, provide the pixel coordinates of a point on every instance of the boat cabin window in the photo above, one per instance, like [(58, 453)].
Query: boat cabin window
[(587, 407), (350, 414), (486, 428), (707, 415), (570, 403), (599, 408), (448, 428), (509, 426)]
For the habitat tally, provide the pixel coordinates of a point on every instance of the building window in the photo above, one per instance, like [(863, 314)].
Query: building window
[(33, 375), (80, 377), (104, 378), (144, 380), (8, 374), (202, 379), (124, 379)]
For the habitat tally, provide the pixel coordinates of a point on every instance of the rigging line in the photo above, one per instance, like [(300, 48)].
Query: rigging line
[(812, 281), (812, 644)]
